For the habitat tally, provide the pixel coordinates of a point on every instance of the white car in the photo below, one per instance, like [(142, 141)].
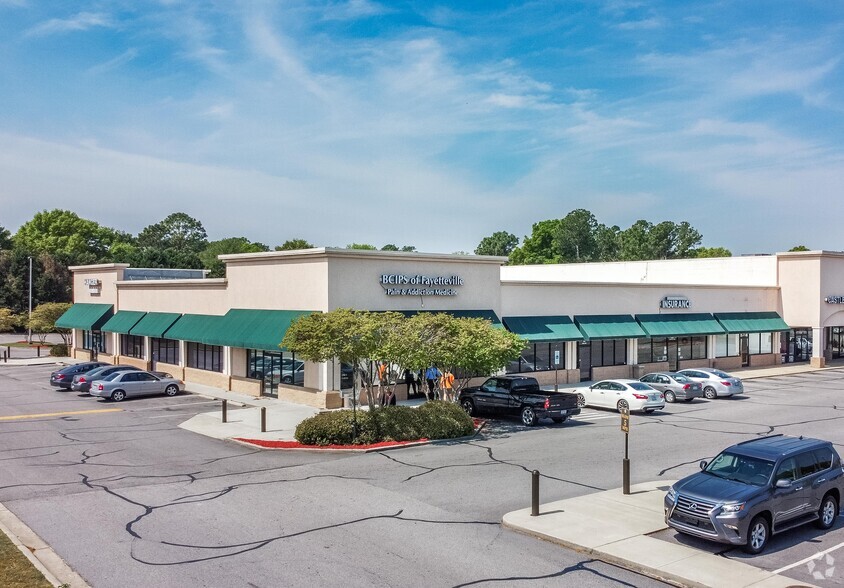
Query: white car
[(715, 382), (623, 395)]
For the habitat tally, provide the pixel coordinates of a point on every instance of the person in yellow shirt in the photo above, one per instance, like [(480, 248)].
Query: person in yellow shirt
[(447, 386)]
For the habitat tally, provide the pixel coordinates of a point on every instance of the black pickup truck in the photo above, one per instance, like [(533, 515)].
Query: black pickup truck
[(518, 395)]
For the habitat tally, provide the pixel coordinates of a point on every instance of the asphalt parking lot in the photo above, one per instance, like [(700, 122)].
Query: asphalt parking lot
[(164, 507)]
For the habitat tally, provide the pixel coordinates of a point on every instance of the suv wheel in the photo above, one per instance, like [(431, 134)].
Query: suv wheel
[(828, 512), (710, 393), (468, 406), (757, 535), (528, 416)]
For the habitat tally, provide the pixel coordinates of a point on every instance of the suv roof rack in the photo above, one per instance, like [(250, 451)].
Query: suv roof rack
[(759, 439)]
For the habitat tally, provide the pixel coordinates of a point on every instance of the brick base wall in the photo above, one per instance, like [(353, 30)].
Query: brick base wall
[(174, 370), (246, 386), (207, 378), (133, 361), (612, 372), (727, 363), (695, 363), (765, 359)]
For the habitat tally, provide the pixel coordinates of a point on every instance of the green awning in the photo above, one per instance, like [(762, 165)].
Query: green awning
[(543, 328), (198, 328), (85, 316), (751, 322), (253, 329), (123, 321), (609, 326), (488, 315), (674, 325), (154, 324)]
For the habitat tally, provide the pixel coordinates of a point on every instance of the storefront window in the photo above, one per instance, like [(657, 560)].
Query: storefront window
[(726, 345), (538, 357), (165, 350), (93, 341), (796, 345), (699, 347), (274, 368), (132, 346), (609, 352), (835, 341), (205, 357)]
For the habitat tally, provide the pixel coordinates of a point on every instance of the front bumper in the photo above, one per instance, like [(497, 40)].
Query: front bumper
[(723, 528)]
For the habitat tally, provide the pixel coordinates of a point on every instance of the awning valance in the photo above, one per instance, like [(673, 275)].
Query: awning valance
[(155, 324), (674, 325), (85, 316), (122, 321), (609, 326), (197, 328), (751, 322), (253, 328), (543, 328)]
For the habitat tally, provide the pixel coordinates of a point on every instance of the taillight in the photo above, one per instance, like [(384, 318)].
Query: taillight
[(60, 376), (640, 396), (100, 387), (687, 386), (547, 403), (726, 383), (81, 379)]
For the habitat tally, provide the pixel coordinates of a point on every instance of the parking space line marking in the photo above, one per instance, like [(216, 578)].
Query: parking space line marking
[(808, 559), (56, 414)]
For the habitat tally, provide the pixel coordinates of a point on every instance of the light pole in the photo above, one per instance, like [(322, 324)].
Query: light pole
[(29, 322)]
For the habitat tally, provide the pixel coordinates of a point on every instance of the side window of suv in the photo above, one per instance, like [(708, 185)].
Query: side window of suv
[(824, 458), (787, 470), (806, 464)]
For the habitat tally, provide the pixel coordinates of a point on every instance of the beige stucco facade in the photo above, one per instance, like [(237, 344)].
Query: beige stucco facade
[(806, 289)]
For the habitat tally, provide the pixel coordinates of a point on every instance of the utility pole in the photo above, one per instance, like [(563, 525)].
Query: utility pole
[(29, 328)]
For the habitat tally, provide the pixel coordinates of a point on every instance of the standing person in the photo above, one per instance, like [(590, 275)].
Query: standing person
[(447, 386), (410, 382), (432, 374), (389, 398)]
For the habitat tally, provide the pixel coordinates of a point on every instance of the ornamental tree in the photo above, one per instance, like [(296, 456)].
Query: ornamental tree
[(44, 319), (8, 320)]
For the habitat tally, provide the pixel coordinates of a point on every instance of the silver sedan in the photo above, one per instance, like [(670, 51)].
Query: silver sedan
[(674, 386), (121, 385)]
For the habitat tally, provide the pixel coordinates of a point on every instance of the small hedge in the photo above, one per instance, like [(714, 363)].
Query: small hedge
[(432, 420), (59, 350)]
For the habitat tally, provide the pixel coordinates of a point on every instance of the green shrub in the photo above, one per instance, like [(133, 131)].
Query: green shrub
[(59, 350), (432, 420)]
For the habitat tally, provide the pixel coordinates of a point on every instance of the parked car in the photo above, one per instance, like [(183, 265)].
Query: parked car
[(125, 384), (518, 395), (715, 382), (293, 371), (63, 378), (673, 386), (623, 395), (82, 382), (758, 488)]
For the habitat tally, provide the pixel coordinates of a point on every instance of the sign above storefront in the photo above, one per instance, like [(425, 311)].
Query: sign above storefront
[(675, 302), (834, 299), (419, 285), (94, 285)]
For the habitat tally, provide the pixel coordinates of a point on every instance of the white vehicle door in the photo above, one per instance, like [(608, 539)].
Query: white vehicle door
[(598, 393)]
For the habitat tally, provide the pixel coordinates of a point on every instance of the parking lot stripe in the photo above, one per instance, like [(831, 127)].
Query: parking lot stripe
[(15, 417), (808, 559)]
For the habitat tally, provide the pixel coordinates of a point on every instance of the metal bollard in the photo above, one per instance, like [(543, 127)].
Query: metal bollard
[(225, 411), (38, 350), (534, 493), (263, 419)]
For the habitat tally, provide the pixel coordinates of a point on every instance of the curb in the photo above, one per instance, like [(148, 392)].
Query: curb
[(41, 555)]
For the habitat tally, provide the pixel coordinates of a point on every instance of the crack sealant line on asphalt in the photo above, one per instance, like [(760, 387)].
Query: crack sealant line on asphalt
[(39, 554)]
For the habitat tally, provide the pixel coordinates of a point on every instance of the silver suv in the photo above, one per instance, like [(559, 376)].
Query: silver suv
[(758, 488)]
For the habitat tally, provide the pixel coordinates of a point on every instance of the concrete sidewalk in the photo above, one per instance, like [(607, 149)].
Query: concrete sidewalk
[(615, 528)]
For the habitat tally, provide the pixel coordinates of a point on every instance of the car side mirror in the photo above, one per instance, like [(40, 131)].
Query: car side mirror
[(783, 483), (703, 464)]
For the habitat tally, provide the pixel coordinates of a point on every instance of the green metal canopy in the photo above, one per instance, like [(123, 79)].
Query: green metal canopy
[(673, 325), (609, 326), (123, 321), (85, 316), (482, 314), (197, 328), (751, 322), (543, 328), (154, 324), (253, 329)]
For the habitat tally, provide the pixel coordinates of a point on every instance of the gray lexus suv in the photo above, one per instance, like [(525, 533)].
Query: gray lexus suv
[(758, 488)]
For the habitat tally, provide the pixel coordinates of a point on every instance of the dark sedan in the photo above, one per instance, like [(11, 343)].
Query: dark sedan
[(82, 382), (63, 378)]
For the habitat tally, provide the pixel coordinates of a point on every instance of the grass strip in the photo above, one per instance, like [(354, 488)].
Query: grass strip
[(15, 570)]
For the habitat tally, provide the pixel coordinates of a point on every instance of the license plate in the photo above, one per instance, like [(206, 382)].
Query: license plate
[(654, 396), (686, 520)]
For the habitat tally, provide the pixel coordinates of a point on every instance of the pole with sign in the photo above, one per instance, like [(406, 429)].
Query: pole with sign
[(556, 370), (625, 464)]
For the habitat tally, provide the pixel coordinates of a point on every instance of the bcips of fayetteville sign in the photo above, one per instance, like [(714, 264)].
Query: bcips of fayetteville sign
[(419, 285), (675, 302)]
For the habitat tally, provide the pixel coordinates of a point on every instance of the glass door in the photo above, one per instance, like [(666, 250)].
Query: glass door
[(744, 347), (584, 361), (671, 353)]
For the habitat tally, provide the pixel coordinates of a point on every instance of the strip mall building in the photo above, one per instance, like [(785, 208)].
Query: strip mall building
[(584, 321)]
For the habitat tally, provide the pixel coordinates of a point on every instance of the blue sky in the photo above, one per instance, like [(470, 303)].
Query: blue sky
[(427, 123)]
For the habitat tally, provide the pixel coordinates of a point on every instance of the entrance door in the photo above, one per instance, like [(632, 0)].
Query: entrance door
[(671, 353), (744, 349), (584, 361)]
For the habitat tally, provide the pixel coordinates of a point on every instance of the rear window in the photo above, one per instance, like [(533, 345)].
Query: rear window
[(721, 374), (639, 386), (110, 376), (682, 379), (824, 458)]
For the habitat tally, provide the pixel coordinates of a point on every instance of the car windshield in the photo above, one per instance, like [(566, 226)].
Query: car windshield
[(741, 468), (720, 374), (639, 386)]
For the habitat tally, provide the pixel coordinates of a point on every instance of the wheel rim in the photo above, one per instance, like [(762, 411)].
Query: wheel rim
[(622, 405), (581, 400), (829, 512), (118, 396), (710, 393), (527, 416), (467, 406), (669, 397), (171, 390), (757, 537)]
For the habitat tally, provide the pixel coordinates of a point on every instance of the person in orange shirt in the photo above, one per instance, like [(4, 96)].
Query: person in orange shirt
[(447, 386)]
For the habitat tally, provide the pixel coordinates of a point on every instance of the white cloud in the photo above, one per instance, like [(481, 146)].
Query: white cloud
[(114, 63), (80, 22), (354, 9)]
